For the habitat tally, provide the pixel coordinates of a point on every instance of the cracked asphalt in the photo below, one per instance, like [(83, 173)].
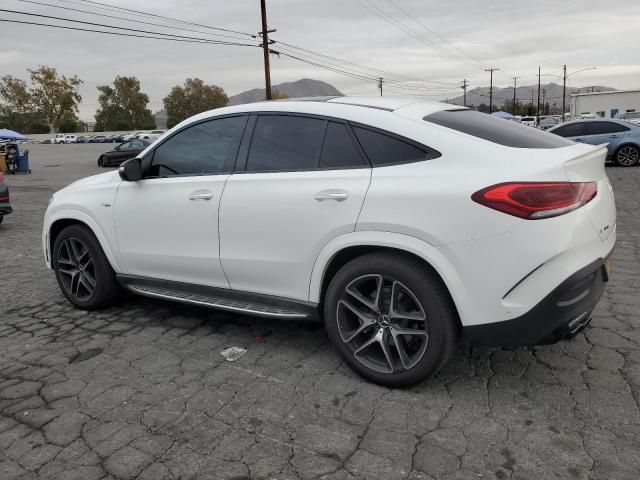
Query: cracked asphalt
[(142, 390)]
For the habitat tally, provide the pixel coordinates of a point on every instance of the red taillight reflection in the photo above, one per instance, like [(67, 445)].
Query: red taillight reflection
[(536, 200)]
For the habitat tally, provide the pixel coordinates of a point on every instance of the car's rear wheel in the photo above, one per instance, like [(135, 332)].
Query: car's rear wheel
[(82, 269), (101, 161), (627, 156), (390, 319)]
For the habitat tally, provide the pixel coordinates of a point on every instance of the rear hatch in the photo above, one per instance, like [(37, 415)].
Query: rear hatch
[(590, 167)]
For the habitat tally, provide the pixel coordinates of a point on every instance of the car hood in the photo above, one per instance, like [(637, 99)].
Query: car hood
[(101, 178)]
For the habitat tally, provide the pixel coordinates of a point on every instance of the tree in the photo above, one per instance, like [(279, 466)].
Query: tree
[(54, 96), (192, 98), (123, 106), (17, 107)]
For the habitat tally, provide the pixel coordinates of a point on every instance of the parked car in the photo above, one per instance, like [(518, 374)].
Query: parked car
[(47, 141), (528, 121), (622, 137), (129, 136), (82, 139), (122, 152), (400, 223), (5, 202), (548, 122), (70, 138), (98, 139), (58, 139), (633, 117)]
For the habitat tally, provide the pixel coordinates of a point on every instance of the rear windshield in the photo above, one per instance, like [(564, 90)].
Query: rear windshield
[(496, 130)]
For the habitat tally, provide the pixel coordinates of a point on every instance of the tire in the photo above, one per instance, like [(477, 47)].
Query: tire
[(1, 218), (360, 337), (627, 156), (94, 284), (101, 161)]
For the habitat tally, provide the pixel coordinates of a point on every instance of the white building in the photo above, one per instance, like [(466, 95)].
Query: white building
[(605, 104)]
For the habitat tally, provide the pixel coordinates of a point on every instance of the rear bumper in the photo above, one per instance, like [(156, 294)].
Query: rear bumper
[(563, 313)]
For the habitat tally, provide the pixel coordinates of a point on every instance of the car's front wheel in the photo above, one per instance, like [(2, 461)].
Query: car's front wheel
[(627, 156), (82, 269), (390, 319)]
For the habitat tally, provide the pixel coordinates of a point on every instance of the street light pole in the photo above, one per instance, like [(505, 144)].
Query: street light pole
[(538, 109), (513, 112), (564, 88)]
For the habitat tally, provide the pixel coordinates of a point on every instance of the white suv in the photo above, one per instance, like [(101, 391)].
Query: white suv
[(401, 224)]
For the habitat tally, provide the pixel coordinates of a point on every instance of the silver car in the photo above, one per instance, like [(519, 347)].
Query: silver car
[(622, 137)]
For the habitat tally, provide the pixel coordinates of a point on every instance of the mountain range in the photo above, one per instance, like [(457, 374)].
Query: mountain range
[(305, 87), (551, 92)]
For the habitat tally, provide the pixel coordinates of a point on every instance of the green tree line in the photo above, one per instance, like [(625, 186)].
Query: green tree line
[(48, 101)]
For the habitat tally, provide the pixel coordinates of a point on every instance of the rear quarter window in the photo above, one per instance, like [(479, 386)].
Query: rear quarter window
[(496, 130)]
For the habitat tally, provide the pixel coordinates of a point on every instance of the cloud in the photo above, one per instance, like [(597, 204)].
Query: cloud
[(513, 36)]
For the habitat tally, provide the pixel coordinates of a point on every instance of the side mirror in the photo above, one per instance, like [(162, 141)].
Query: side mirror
[(131, 170)]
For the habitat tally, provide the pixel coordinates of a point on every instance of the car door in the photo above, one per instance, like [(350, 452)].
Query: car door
[(600, 132), (120, 153), (303, 183), (167, 223), (575, 131)]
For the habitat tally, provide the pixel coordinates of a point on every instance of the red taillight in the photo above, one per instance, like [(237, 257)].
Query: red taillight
[(533, 200)]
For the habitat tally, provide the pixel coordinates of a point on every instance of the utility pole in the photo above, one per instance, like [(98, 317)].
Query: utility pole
[(532, 101), (380, 80), (491, 70), (544, 94), (538, 109), (464, 86), (515, 79), (265, 48), (564, 88)]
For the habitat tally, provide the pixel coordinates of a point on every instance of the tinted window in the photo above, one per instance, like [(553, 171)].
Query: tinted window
[(205, 148), (496, 130), (600, 128), (285, 143), (571, 130), (384, 149), (338, 149)]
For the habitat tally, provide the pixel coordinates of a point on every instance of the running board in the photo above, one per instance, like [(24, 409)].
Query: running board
[(217, 299)]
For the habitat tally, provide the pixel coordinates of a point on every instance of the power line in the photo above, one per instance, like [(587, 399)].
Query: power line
[(332, 69), (129, 19), (415, 19), (399, 25), (166, 18), (374, 71), (66, 27), (94, 24)]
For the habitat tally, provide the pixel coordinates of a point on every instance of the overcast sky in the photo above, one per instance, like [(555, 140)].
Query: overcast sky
[(514, 36)]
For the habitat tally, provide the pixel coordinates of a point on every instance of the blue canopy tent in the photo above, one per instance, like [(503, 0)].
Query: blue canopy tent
[(6, 134), (505, 115)]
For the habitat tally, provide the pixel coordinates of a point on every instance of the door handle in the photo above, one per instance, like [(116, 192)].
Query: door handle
[(579, 139), (338, 195), (614, 136), (201, 195)]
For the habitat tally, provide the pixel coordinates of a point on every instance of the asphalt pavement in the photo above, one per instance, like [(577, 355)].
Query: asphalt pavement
[(143, 391)]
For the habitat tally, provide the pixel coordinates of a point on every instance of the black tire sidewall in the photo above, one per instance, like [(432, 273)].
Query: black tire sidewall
[(107, 288), (441, 317)]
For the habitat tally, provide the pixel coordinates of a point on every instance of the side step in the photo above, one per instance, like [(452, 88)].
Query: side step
[(212, 300)]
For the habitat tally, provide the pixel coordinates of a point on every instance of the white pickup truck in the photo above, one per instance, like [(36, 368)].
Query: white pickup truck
[(59, 138)]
